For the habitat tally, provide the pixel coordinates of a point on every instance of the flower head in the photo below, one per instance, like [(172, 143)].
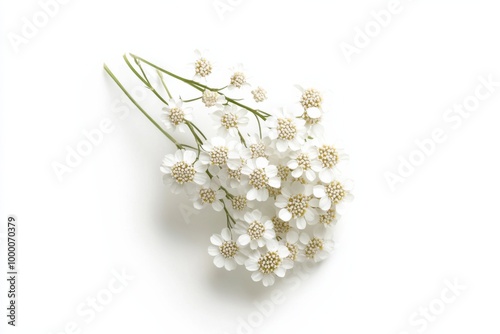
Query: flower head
[(268, 263), (305, 162), (226, 252), (260, 175), (238, 78), (259, 94), (296, 205), (175, 116), (332, 194), (311, 98), (286, 130), (255, 230), (202, 66), (330, 158), (316, 247), (182, 171), (219, 152), (213, 99), (209, 194), (230, 120)]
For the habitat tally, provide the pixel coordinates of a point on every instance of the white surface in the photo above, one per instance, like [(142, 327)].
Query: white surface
[(394, 248)]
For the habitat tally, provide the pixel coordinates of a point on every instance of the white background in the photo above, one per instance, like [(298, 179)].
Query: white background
[(394, 250)]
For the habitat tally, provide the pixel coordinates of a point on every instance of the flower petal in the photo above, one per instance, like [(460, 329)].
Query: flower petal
[(230, 264), (280, 272), (217, 206), (281, 145), (216, 240), (326, 175), (213, 250), (244, 239), (325, 203), (285, 215), (219, 261), (268, 280), (256, 275), (226, 234)]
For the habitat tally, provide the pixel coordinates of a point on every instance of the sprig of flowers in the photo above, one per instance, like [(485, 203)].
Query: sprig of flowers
[(275, 178)]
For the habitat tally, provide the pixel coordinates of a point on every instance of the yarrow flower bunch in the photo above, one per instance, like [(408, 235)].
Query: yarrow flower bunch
[(277, 181)]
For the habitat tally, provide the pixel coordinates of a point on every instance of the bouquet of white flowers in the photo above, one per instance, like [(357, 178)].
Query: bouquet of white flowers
[(279, 185)]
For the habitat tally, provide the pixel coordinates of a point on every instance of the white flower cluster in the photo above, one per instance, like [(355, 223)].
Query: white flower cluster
[(279, 185), (281, 191)]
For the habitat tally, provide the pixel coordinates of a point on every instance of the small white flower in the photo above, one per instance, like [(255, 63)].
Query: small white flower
[(305, 162), (315, 248), (238, 78), (327, 220), (310, 98), (213, 99), (257, 147), (175, 116), (281, 227), (284, 172), (330, 158), (232, 178), (230, 120), (226, 252), (296, 205), (313, 126), (182, 172), (256, 230), (311, 101), (267, 264), (286, 130), (292, 243), (209, 194), (259, 94), (202, 66), (260, 175), (219, 152), (239, 204), (333, 194)]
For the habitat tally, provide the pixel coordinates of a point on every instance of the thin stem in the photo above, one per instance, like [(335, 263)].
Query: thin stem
[(197, 139), (192, 83), (145, 79), (191, 100), (172, 139), (188, 146), (260, 128), (228, 194), (228, 216), (197, 129), (142, 71), (256, 112), (242, 139), (201, 87), (164, 84)]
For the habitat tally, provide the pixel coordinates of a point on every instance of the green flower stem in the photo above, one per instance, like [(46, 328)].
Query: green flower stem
[(195, 135), (192, 100), (228, 217), (263, 115), (242, 139), (143, 79), (172, 139), (229, 196), (164, 84), (260, 128), (199, 131), (256, 112)]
